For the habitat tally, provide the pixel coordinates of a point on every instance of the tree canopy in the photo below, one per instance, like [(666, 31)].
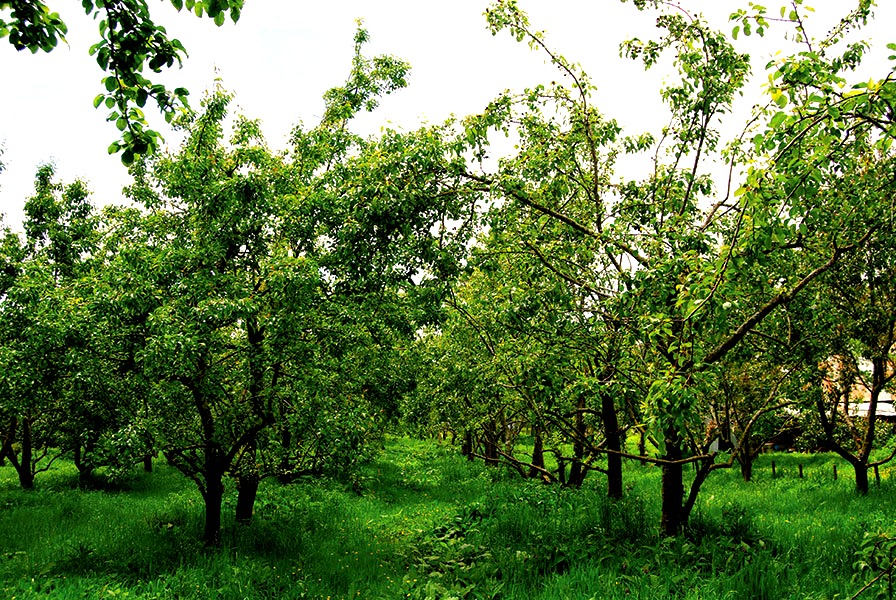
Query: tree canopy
[(263, 313)]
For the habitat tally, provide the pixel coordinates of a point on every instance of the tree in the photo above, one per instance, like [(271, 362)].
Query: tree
[(130, 42), (663, 254), (862, 299), (275, 286), (43, 320)]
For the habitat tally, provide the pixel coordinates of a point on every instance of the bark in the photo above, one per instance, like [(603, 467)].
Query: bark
[(213, 496), (614, 443), (861, 470), (466, 448), (672, 487), (247, 485), (703, 471), (746, 467), (537, 453), (247, 490), (22, 464), (491, 444), (147, 463), (577, 470)]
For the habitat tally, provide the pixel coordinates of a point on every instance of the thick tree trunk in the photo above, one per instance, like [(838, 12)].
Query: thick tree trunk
[(147, 463), (861, 470), (614, 443), (213, 496), (672, 487)]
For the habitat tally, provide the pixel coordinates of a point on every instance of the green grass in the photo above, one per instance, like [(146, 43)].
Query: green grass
[(424, 523)]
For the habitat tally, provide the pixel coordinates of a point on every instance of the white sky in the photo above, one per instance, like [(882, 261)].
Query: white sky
[(283, 54)]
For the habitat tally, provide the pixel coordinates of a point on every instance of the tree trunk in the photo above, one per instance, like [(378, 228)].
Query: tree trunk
[(614, 443), (537, 453), (746, 467), (23, 466), (861, 470), (672, 487), (85, 469), (577, 470), (147, 463), (213, 496), (491, 444), (466, 449), (247, 485), (247, 490)]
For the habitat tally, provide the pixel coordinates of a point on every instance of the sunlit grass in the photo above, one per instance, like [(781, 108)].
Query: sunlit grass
[(422, 522)]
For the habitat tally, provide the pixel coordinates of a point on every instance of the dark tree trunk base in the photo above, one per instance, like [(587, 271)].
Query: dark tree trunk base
[(245, 500)]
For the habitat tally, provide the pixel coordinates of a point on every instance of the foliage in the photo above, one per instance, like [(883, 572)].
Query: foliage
[(130, 43)]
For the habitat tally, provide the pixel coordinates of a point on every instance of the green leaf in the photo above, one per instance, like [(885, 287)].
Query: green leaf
[(777, 119)]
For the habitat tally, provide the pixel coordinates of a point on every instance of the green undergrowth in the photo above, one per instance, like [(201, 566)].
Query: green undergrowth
[(422, 522)]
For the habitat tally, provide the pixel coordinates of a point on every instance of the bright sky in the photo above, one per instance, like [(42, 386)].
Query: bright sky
[(283, 54)]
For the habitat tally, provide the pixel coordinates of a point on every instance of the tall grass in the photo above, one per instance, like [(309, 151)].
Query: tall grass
[(424, 523)]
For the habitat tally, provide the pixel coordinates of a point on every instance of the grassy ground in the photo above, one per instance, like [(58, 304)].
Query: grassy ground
[(427, 524)]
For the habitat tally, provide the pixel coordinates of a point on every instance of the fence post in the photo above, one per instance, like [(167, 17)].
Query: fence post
[(835, 472), (801, 470), (773, 469)]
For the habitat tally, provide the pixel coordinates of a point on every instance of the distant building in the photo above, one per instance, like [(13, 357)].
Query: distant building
[(859, 401)]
